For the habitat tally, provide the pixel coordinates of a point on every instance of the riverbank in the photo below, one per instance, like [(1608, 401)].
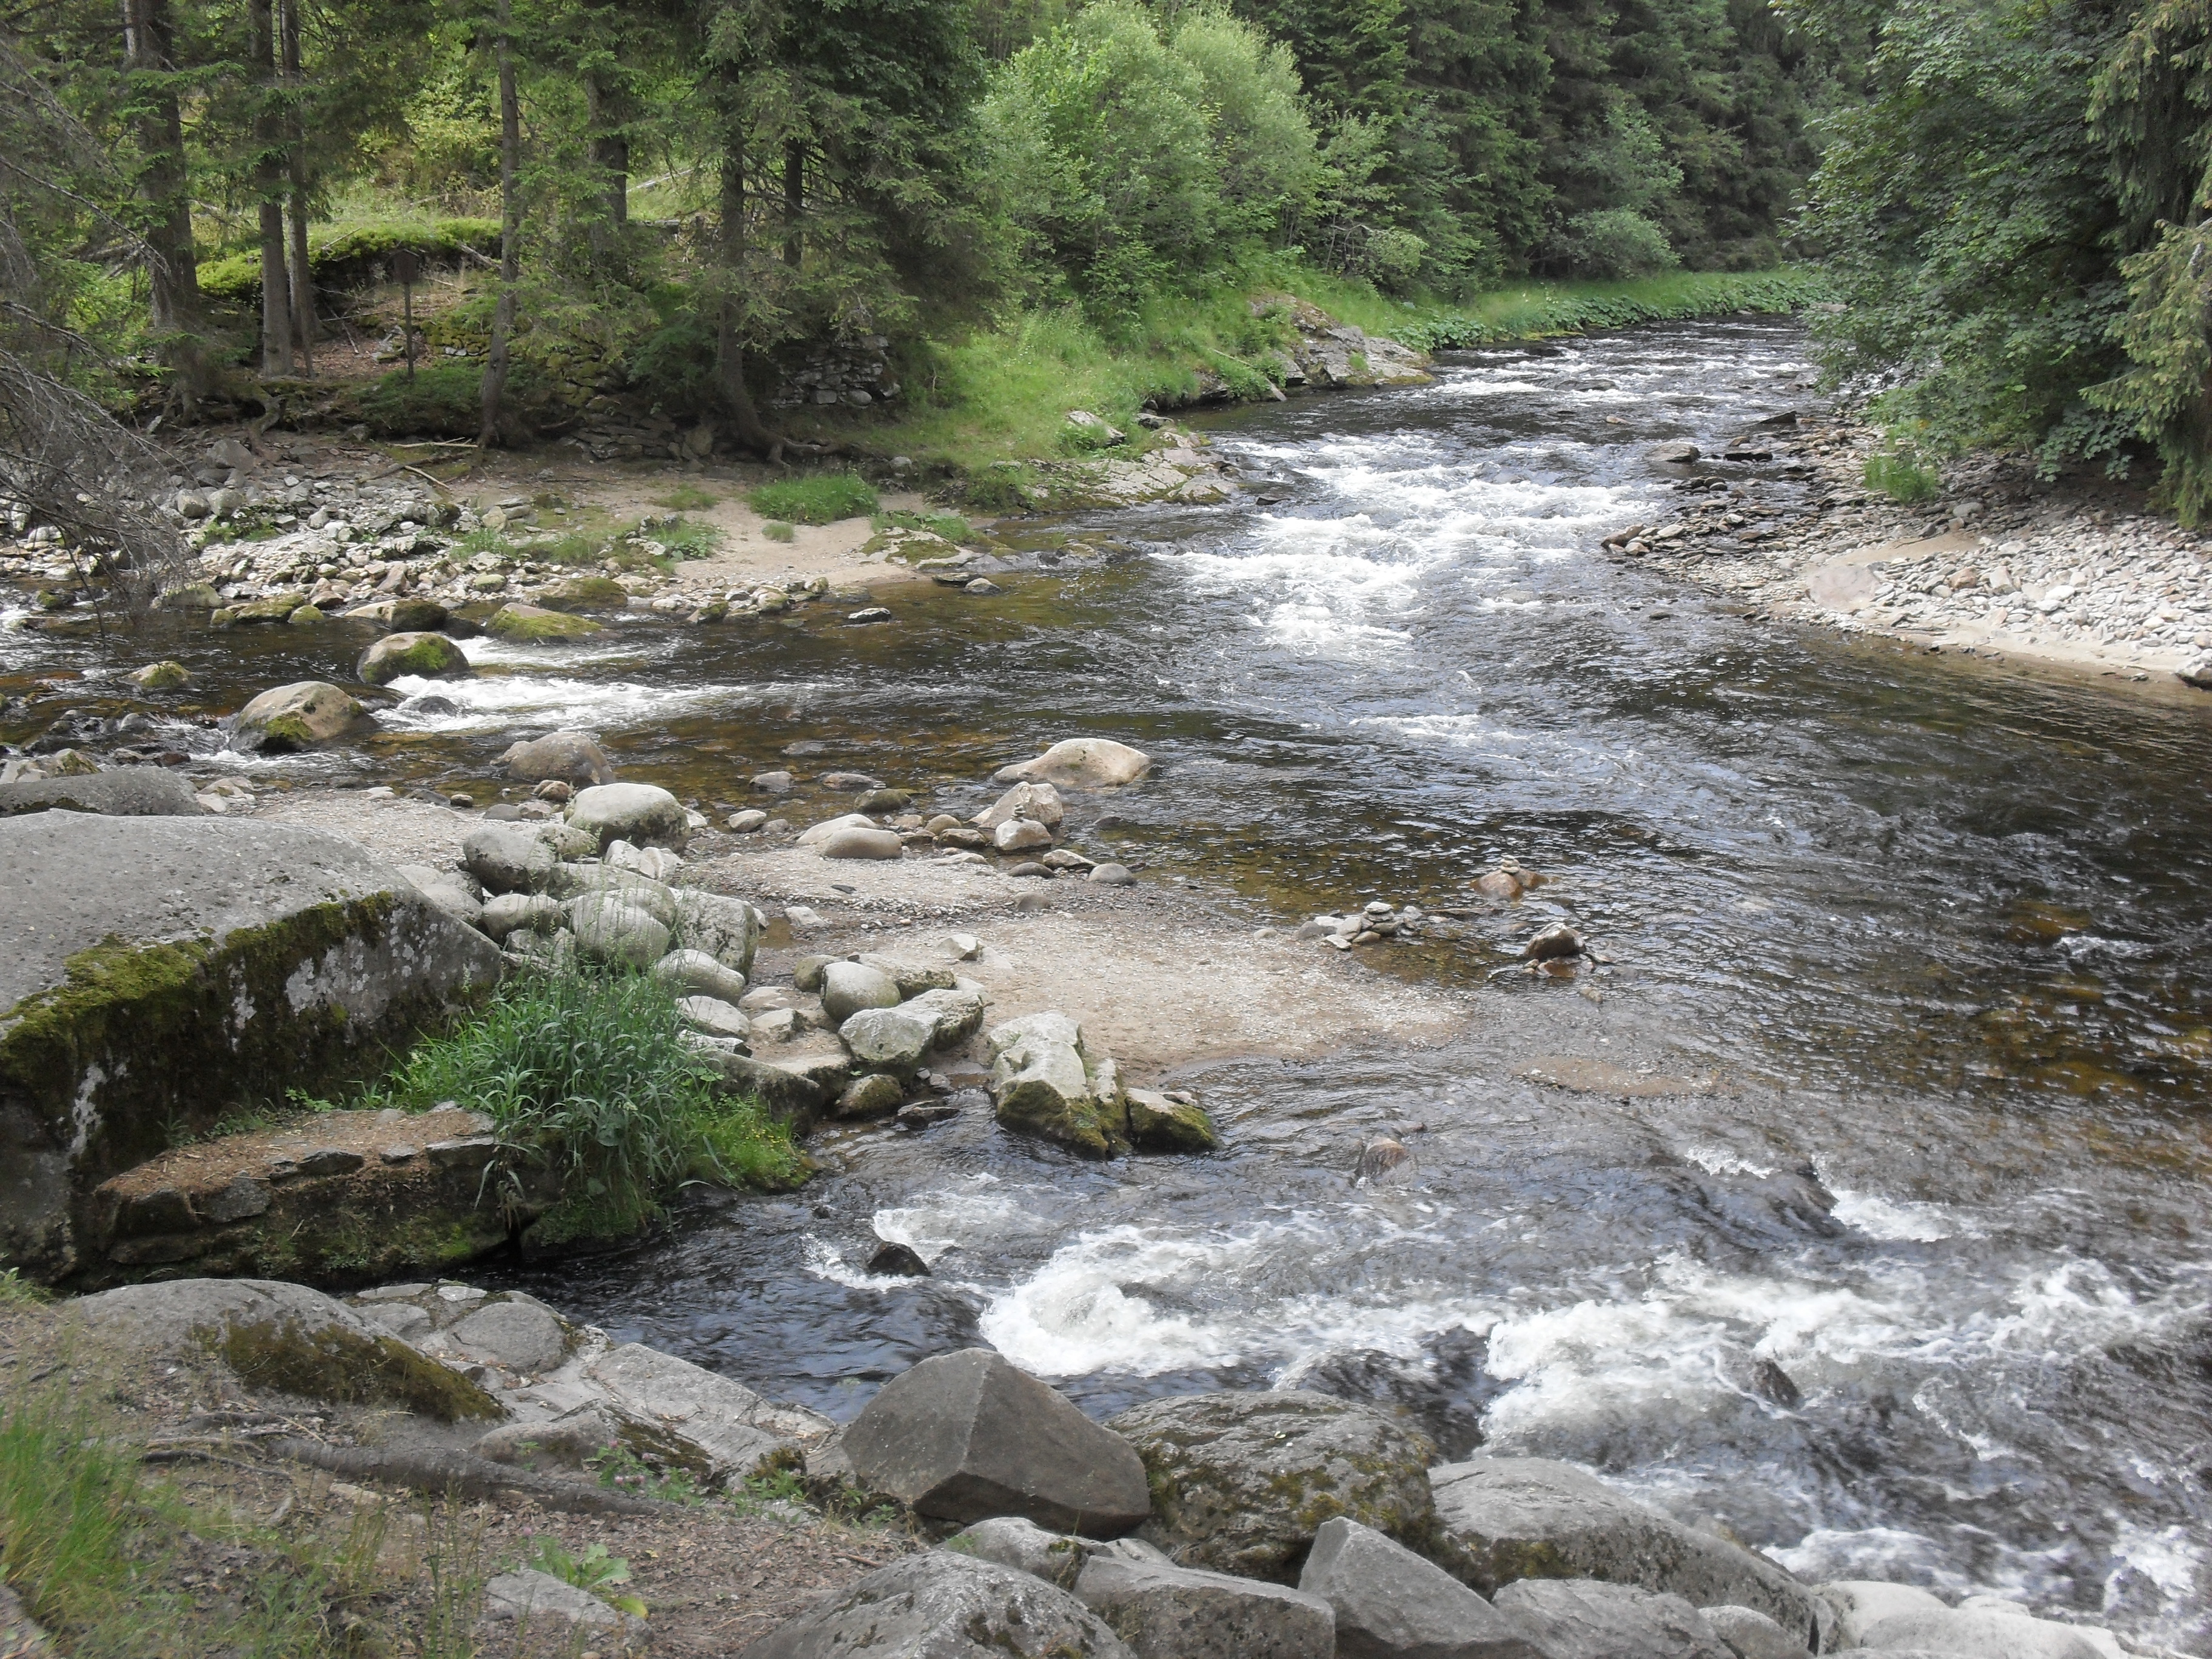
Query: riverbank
[(2078, 577)]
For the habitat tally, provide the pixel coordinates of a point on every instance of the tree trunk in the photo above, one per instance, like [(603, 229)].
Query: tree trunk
[(606, 116), (268, 187), (303, 282), (149, 51), (510, 234), (730, 341), (794, 202)]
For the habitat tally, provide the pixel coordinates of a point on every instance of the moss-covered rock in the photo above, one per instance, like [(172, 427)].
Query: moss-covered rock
[(190, 596), (286, 718), (1162, 1123), (163, 676), (426, 656), (277, 607), (529, 624), (585, 593)]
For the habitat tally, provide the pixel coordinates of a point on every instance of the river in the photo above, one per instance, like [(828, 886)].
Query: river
[(1921, 1290)]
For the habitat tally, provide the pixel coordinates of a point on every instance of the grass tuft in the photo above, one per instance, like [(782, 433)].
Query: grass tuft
[(686, 498), (776, 531), (950, 525), (823, 499), (1901, 478)]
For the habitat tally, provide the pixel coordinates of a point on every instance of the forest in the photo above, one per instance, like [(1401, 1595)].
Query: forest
[(663, 203)]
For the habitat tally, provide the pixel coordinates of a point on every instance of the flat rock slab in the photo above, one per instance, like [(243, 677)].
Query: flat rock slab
[(735, 1427), (1391, 1604), (130, 792), (937, 1605), (159, 970), (967, 1436), (1583, 1618), (1167, 1612), (1244, 1481)]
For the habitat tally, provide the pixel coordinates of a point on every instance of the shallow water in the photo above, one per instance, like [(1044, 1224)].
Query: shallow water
[(1935, 929)]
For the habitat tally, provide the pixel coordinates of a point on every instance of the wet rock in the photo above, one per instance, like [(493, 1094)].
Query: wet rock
[(611, 928), (888, 1039), (1980, 1633), (1082, 763), (967, 1436), (1244, 1480), (508, 861), (854, 842), (773, 783), (1021, 835), (1553, 944), (643, 814), (426, 656), (570, 757), (745, 822), (898, 1262), (1674, 454), (1750, 1634), (1040, 801), (877, 1095), (1859, 1604), (585, 593), (521, 1336), (1584, 1618), (939, 1605), (1391, 1604), (527, 1611), (1166, 1612), (1508, 1518), (125, 792), (287, 718), (1044, 1082), (163, 676), (786, 1091), (849, 987), (981, 586), (529, 624), (695, 973), (1163, 1123), (712, 1016)]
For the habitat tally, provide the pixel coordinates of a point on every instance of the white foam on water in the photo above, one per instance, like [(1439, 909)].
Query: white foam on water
[(494, 702), (1903, 1219), (1718, 1160), (1889, 1555), (941, 1221), (1072, 1317)]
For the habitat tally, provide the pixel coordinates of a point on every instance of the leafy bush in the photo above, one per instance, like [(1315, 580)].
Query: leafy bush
[(685, 539), (950, 526), (1902, 478), (823, 499), (1614, 243), (594, 1570), (588, 1069), (776, 531), (444, 400), (339, 254)]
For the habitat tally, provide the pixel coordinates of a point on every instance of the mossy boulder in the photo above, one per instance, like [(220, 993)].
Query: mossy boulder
[(277, 607), (163, 676), (585, 593), (529, 624), (1045, 1081), (190, 596), (425, 656), (287, 718), (1163, 1123), (162, 972)]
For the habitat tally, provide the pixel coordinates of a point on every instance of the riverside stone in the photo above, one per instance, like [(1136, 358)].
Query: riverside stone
[(1166, 1612), (239, 957), (868, 843), (736, 1429), (1980, 1633), (1751, 1634), (131, 792), (287, 718), (427, 656), (529, 624), (1509, 1518), (1861, 1603), (1586, 1619), (714, 1017), (1020, 836), (1391, 1604), (954, 1015), (877, 1095), (814, 835), (528, 1611), (1081, 763), (508, 861), (1011, 1542), (571, 757), (643, 814), (696, 973), (727, 929), (611, 928), (450, 890), (1161, 1123), (1044, 1082), (849, 987), (520, 1336), (513, 913), (1244, 1480), (1040, 801), (966, 1436), (939, 1605), (892, 1039)]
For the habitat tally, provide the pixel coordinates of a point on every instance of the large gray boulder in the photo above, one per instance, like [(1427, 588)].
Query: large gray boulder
[(967, 1436), (1509, 1518), (1861, 1603), (849, 987), (424, 655), (1058, 1557), (1391, 1604), (734, 1431), (571, 757), (938, 1605), (1751, 1634), (159, 970), (1981, 1633), (1081, 763), (1585, 1618), (611, 928), (126, 791), (286, 718), (1046, 1080), (1166, 1612), (1244, 1481), (695, 973), (643, 814), (727, 929), (526, 1612), (888, 1039), (508, 861), (954, 1015)]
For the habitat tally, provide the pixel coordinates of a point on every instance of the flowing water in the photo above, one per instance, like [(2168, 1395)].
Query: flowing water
[(1921, 1290)]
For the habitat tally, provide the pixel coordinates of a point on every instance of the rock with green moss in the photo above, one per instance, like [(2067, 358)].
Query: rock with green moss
[(1165, 1123), (275, 608), (425, 656), (531, 624), (1241, 1482), (288, 718), (1044, 1081), (238, 960), (190, 596), (163, 676), (585, 593)]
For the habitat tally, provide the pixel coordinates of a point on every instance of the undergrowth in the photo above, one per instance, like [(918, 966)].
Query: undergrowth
[(823, 499), (587, 1068)]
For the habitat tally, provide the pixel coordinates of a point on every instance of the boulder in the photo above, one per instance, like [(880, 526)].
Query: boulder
[(585, 593), (815, 833), (523, 1337), (1166, 1612), (888, 1039), (1750, 1634), (450, 890), (508, 861), (713, 1018), (1020, 836), (653, 863), (571, 757), (1673, 455), (870, 843), (1859, 1604), (1981, 1633), (1160, 1124), (167, 675), (238, 960), (1391, 1604), (939, 1605), (287, 718), (529, 624), (727, 929), (425, 656), (1040, 801), (1044, 1082), (1058, 1557), (734, 1427), (849, 987), (954, 1016), (877, 1095), (608, 927), (573, 881), (794, 1093), (912, 978), (513, 913), (1081, 763), (1508, 1518), (966, 1436), (526, 1612), (643, 814), (1586, 1618), (126, 791), (1244, 1481), (284, 1337), (582, 1434), (694, 973)]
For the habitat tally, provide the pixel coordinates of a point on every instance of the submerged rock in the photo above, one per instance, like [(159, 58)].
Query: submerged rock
[(1082, 763)]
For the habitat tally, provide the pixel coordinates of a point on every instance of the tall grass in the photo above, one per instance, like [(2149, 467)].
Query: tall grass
[(587, 1068), (823, 499)]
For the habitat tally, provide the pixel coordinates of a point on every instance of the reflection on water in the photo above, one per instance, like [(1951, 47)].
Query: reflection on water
[(1937, 926)]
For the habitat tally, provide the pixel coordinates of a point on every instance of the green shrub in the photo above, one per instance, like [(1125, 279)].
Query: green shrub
[(823, 499), (1614, 245), (588, 1069), (776, 531), (1902, 478), (594, 1570), (685, 539), (444, 400), (950, 526)]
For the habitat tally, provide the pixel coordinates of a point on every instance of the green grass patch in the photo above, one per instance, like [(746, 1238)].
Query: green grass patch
[(17, 1292), (776, 531), (950, 525), (823, 499), (594, 1570), (444, 400), (587, 1068), (685, 498), (340, 254), (685, 538), (1902, 478)]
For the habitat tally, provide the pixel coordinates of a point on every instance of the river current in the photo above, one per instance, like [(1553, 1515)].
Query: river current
[(1921, 1290)]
